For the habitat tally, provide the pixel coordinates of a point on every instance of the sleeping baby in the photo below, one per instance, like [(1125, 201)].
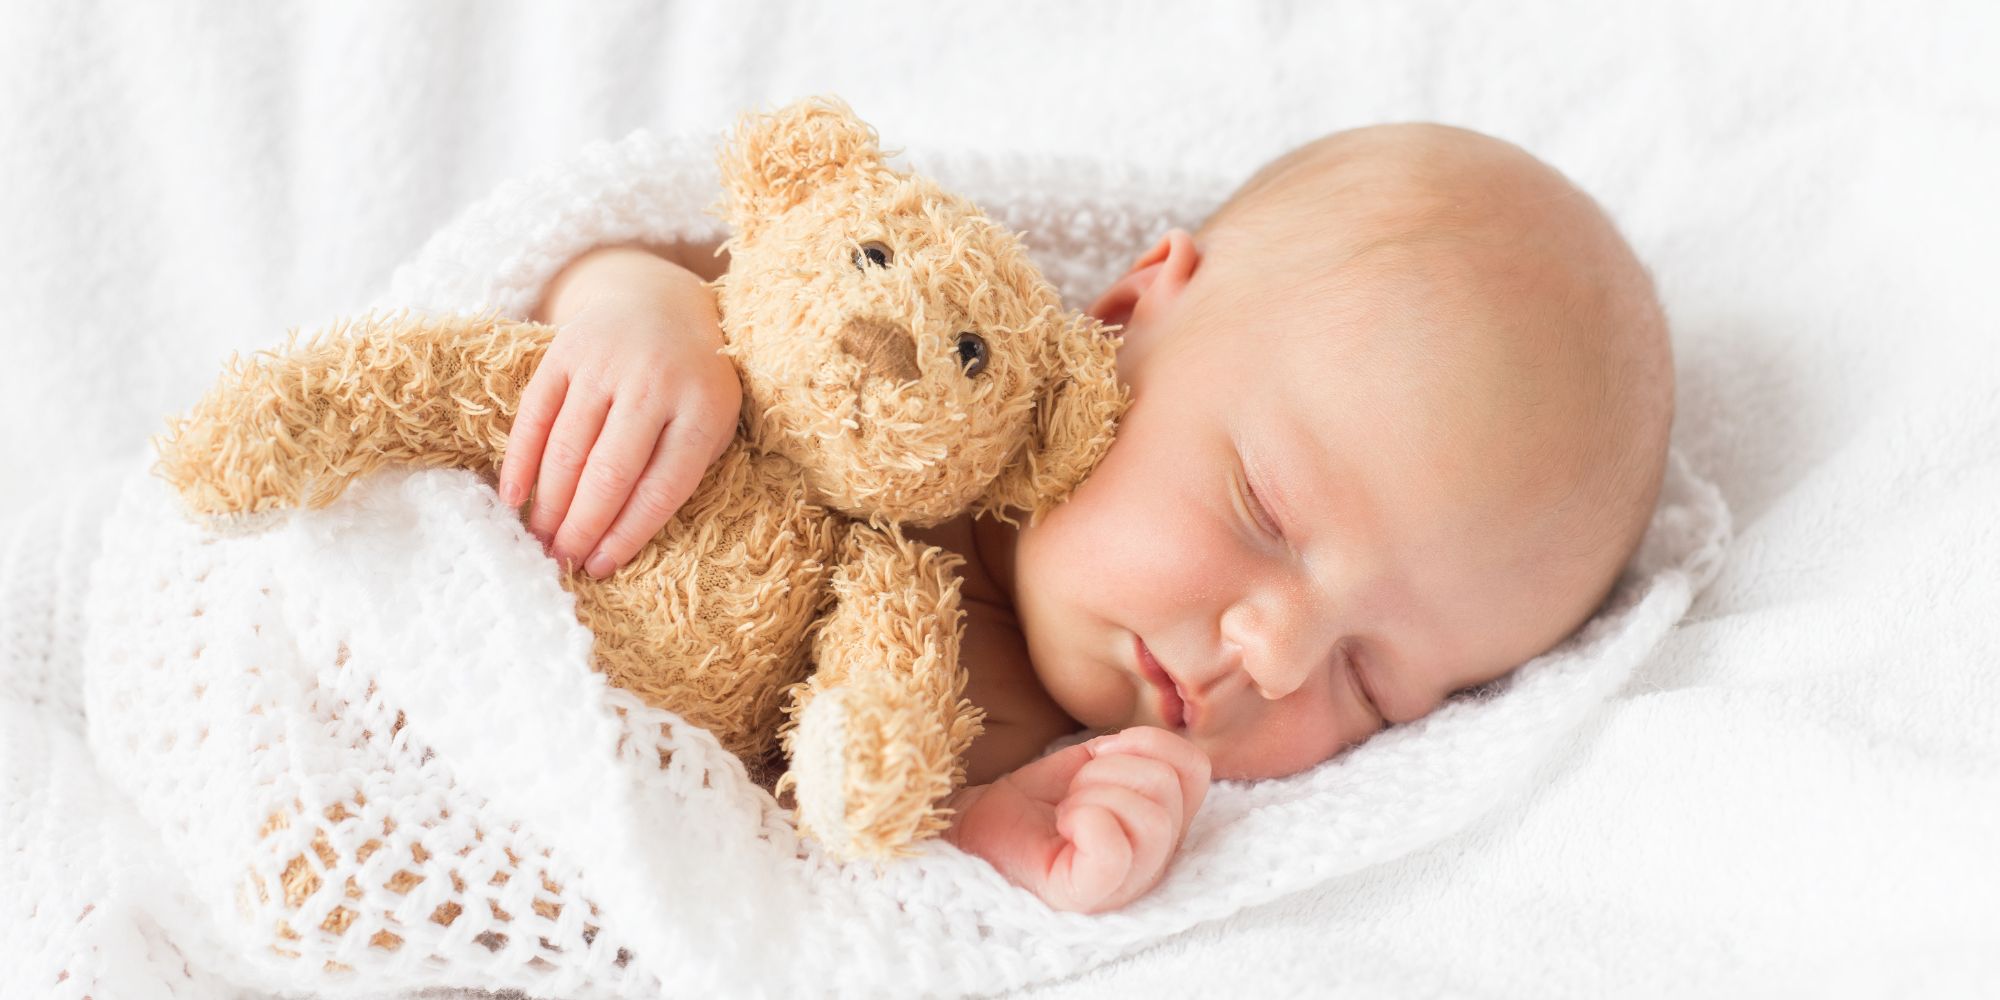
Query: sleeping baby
[(1399, 416)]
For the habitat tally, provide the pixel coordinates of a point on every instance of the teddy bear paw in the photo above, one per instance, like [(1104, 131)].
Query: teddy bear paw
[(819, 771)]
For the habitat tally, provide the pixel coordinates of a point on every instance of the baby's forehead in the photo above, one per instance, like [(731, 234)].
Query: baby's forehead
[(1404, 351), (1415, 312), (1421, 215), (1410, 285)]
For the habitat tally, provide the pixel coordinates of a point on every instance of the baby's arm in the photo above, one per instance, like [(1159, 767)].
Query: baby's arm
[(623, 417), (1090, 827)]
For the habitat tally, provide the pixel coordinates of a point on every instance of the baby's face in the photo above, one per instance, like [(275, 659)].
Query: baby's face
[(1296, 538)]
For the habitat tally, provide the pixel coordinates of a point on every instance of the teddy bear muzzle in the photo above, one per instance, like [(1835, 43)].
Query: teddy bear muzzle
[(885, 349)]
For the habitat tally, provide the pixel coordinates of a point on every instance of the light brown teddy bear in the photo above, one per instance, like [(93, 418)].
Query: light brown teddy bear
[(902, 362)]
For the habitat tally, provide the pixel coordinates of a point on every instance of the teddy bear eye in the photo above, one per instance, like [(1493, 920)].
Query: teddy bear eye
[(872, 253), (972, 353)]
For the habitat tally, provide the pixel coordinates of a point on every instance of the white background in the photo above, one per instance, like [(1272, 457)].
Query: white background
[(1795, 795)]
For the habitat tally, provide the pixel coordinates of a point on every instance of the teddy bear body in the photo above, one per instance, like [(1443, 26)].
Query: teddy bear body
[(902, 363), (748, 548)]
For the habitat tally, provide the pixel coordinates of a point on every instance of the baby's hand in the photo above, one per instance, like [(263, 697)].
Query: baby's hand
[(626, 411), (1090, 827)]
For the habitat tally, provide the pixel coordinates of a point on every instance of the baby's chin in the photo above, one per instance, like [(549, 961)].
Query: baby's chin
[(1112, 717), (1227, 763)]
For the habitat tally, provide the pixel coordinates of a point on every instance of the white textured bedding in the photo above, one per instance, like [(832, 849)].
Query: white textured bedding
[(1798, 793)]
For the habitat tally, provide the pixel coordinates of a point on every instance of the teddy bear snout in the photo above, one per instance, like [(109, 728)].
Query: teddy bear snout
[(884, 349)]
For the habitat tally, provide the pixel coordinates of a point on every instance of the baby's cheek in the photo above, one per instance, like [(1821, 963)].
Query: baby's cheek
[(1089, 691)]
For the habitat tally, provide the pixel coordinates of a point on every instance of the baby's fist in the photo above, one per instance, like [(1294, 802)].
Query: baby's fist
[(1091, 827)]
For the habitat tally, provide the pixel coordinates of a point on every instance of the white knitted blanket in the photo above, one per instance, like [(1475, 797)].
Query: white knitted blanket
[(362, 750)]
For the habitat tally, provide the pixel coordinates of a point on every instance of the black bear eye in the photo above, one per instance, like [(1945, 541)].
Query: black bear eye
[(971, 353), (872, 254)]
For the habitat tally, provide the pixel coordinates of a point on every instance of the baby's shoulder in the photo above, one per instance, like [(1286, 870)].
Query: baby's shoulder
[(956, 536)]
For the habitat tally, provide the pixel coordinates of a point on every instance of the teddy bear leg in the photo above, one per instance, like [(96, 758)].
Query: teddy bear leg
[(879, 731)]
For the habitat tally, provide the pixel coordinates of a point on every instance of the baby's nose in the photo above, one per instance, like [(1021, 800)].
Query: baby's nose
[(1281, 642), (884, 349)]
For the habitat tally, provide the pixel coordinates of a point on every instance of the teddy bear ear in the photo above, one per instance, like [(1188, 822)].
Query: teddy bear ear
[(777, 160), (1074, 421)]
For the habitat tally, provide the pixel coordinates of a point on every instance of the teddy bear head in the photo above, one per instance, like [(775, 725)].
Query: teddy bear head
[(892, 340)]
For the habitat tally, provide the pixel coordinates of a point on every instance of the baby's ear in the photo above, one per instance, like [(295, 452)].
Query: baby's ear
[(1074, 421), (777, 160)]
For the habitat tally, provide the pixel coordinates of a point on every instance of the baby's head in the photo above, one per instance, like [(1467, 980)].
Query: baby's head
[(1400, 414)]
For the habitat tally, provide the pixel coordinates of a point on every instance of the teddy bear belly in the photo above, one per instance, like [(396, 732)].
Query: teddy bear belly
[(710, 619)]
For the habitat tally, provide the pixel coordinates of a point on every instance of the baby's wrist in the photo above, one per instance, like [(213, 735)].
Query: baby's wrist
[(958, 804), (619, 277)]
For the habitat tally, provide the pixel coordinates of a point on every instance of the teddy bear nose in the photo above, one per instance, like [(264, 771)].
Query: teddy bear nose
[(884, 349)]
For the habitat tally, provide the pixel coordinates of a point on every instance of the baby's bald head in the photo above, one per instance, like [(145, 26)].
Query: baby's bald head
[(1399, 414), (1500, 297)]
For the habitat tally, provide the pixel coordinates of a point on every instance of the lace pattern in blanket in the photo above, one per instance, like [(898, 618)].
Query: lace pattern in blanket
[(320, 829)]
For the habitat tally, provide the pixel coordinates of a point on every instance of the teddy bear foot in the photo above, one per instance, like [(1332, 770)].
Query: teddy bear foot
[(818, 777), (866, 780)]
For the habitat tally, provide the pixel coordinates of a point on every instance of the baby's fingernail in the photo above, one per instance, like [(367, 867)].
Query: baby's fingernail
[(510, 494), (599, 566)]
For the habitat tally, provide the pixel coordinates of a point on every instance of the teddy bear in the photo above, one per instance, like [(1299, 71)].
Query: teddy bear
[(902, 362)]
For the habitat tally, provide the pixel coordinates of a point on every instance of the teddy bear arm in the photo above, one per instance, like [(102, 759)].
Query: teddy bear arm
[(291, 428), (879, 731)]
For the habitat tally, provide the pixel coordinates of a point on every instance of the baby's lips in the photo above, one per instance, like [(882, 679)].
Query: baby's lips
[(1173, 706)]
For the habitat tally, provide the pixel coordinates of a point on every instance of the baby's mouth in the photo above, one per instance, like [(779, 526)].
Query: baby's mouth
[(1173, 705)]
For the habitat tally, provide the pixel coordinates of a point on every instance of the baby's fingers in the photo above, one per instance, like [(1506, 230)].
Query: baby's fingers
[(1047, 779), (540, 402), (679, 459), (1088, 872), (1190, 764), (569, 446), (1156, 780), (1138, 851), (616, 464)]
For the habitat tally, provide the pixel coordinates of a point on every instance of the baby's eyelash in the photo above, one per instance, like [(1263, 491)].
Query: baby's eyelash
[(1353, 668), (1257, 511)]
